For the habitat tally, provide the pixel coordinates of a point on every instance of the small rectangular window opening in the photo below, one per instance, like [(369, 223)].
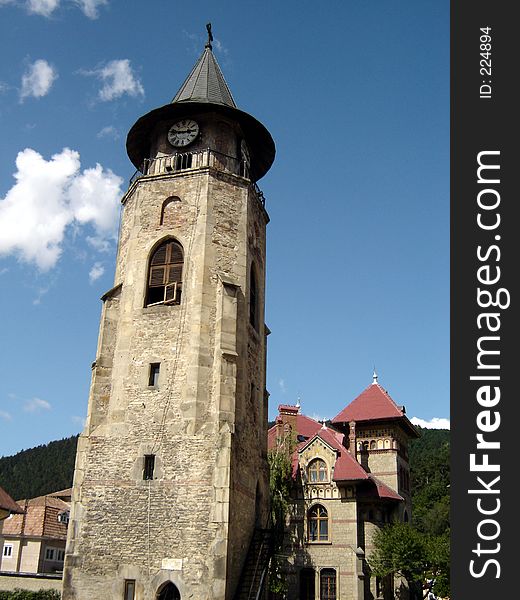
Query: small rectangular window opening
[(129, 589), (149, 465), (153, 378), (8, 550)]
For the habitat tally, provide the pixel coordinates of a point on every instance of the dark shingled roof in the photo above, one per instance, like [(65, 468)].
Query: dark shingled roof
[(204, 91), (205, 83)]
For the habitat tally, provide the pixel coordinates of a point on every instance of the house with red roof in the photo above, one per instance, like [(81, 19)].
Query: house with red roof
[(32, 539), (350, 479)]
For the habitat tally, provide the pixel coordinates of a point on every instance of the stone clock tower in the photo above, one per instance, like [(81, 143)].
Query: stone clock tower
[(171, 473)]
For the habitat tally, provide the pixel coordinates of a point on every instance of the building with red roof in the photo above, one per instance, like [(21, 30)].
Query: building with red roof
[(33, 541), (349, 480)]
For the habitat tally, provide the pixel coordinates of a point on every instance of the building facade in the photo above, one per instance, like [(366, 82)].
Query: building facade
[(349, 479), (33, 541), (171, 472)]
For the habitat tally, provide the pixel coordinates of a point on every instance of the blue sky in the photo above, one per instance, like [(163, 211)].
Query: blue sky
[(356, 96)]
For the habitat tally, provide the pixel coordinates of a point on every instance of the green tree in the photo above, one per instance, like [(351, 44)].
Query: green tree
[(280, 483), (402, 550), (399, 549), (438, 556)]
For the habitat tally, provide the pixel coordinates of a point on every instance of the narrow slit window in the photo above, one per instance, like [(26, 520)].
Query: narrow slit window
[(149, 466), (253, 299), (129, 589), (153, 377)]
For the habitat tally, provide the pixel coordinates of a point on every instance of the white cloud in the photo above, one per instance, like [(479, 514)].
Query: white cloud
[(319, 418), (108, 131), (48, 198), (46, 8), (118, 79), (40, 293), (96, 272), (281, 383), (90, 7), (38, 79), (5, 415), (42, 7), (78, 420), (219, 46), (435, 423), (36, 405)]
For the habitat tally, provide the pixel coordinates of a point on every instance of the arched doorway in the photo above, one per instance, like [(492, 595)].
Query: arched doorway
[(168, 591)]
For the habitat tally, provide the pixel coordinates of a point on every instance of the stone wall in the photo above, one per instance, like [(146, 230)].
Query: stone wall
[(30, 582), (205, 421)]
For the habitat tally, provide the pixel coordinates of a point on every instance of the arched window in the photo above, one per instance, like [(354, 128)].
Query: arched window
[(328, 584), (373, 445), (387, 444), (317, 471), (165, 274), (167, 210), (253, 298), (318, 524)]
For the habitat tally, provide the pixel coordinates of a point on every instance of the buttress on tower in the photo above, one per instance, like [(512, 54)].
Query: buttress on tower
[(171, 471)]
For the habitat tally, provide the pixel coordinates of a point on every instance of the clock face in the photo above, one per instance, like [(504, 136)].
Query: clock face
[(183, 133)]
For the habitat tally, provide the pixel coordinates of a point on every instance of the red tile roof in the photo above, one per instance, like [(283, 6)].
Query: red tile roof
[(8, 504), (374, 488), (304, 426), (384, 491), (346, 467), (373, 403), (40, 519)]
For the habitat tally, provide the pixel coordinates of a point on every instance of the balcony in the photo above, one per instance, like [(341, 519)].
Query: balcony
[(192, 161)]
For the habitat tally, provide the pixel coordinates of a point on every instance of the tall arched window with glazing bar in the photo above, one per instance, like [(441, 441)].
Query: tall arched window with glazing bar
[(317, 471), (318, 524), (165, 274)]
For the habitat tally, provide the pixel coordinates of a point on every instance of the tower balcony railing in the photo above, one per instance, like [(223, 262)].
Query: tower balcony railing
[(192, 161)]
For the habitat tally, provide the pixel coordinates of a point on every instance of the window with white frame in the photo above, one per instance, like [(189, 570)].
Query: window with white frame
[(8, 550), (54, 554)]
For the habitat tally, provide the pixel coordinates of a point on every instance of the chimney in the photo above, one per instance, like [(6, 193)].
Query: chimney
[(352, 438)]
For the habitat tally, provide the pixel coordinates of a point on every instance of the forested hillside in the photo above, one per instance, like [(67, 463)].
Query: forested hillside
[(40, 470), (430, 481), (49, 468)]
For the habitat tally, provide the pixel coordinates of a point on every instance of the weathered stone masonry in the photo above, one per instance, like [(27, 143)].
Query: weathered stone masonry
[(204, 422)]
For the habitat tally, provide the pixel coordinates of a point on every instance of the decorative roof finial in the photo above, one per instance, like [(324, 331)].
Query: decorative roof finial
[(210, 37), (374, 376), (298, 402)]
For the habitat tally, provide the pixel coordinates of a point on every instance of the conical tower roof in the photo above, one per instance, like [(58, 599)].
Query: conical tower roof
[(205, 83), (374, 404), (204, 91)]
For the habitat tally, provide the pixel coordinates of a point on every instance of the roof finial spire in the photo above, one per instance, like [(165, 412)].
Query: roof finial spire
[(298, 404), (374, 376), (210, 37)]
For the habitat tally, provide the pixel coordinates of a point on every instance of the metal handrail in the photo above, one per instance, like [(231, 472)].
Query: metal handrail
[(198, 159), (259, 555)]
